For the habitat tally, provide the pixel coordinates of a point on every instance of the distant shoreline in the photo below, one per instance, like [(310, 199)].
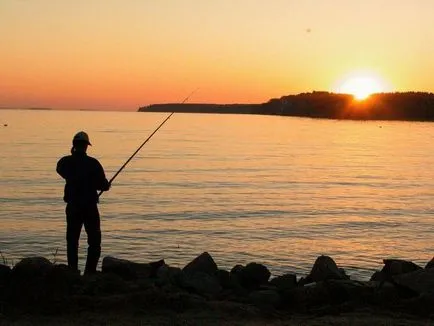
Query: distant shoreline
[(36, 109), (405, 106)]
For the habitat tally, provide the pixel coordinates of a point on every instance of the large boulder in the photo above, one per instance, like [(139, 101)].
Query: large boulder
[(251, 276), (394, 267), (38, 285), (229, 281), (32, 267), (201, 276), (168, 275), (284, 282), (265, 298), (430, 264), (303, 298), (101, 284), (420, 281), (201, 283), (203, 263), (5, 273), (126, 269), (323, 269), (341, 291)]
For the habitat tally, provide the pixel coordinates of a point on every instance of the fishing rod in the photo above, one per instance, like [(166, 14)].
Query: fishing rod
[(147, 139)]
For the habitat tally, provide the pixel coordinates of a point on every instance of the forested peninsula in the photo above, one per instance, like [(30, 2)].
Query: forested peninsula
[(411, 106)]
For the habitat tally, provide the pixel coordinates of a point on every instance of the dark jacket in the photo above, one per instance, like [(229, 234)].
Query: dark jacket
[(84, 176)]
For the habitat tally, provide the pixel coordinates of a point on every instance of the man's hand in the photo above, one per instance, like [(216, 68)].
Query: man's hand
[(106, 186)]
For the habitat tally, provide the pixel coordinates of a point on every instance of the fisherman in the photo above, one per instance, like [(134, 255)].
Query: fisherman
[(84, 176)]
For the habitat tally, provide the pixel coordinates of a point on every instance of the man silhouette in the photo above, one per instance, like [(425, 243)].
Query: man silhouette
[(84, 176)]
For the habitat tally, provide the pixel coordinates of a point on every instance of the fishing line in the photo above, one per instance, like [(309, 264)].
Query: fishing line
[(147, 139)]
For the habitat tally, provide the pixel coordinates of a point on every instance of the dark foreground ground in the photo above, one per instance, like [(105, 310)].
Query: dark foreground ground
[(38, 292), (212, 318)]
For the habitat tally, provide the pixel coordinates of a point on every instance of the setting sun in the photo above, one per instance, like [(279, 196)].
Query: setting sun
[(361, 86)]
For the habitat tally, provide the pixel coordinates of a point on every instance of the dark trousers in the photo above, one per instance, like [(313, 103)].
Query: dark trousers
[(76, 217)]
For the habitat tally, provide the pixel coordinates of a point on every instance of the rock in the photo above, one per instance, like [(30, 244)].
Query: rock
[(225, 279), (235, 274), (236, 269), (329, 292), (126, 269), (31, 285), (265, 298), (391, 268), (201, 264), (100, 284), (397, 266), (284, 282), (61, 281), (341, 291), (5, 273), (253, 275), (378, 276), (32, 267), (305, 280), (344, 273), (201, 283), (168, 275), (305, 297), (325, 268), (384, 294), (420, 281), (430, 264), (155, 266), (421, 305)]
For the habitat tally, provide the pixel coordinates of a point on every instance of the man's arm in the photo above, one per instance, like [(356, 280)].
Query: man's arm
[(101, 180), (61, 168)]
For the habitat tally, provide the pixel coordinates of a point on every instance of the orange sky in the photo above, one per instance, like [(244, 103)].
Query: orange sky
[(119, 55)]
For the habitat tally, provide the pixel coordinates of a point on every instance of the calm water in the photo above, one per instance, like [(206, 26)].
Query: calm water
[(275, 190)]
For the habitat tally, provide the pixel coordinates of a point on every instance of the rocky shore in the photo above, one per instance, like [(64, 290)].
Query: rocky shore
[(125, 292)]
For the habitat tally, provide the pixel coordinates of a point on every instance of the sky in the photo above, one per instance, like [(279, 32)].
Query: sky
[(123, 54)]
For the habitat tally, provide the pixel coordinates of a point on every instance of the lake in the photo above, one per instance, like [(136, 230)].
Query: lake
[(271, 189)]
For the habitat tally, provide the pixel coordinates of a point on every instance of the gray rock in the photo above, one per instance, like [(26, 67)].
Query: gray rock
[(384, 294), (420, 281), (126, 269), (168, 275), (225, 279), (155, 266), (253, 275), (32, 267), (421, 305), (430, 264), (201, 283), (284, 282), (5, 273), (236, 270), (378, 276), (100, 284), (32, 285), (325, 268), (394, 267), (265, 298), (203, 263), (306, 297), (341, 291), (61, 280)]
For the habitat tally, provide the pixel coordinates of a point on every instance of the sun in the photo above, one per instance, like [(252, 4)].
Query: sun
[(361, 86)]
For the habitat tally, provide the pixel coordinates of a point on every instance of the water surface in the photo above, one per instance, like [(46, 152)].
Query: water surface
[(270, 189)]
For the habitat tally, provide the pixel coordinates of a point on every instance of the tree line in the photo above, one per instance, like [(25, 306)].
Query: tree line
[(413, 106)]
